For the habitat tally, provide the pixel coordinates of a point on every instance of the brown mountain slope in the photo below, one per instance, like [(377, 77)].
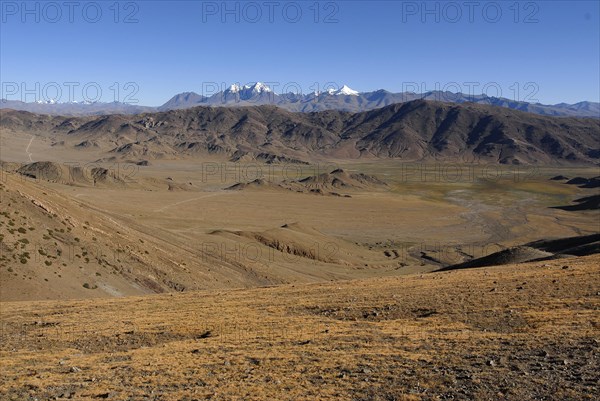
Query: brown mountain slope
[(583, 245), (338, 179), (418, 130), (57, 172), (321, 184), (53, 246), (298, 241)]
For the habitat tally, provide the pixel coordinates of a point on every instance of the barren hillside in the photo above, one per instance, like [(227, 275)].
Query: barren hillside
[(417, 130), (518, 332)]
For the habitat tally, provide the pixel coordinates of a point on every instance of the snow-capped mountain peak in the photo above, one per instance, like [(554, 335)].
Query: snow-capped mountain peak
[(51, 101), (345, 90), (256, 88), (235, 88), (259, 87)]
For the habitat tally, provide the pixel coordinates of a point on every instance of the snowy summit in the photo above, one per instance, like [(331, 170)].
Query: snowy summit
[(258, 87), (345, 90)]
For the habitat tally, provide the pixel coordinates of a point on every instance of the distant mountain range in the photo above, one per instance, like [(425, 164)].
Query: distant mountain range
[(343, 99), (75, 109), (416, 130)]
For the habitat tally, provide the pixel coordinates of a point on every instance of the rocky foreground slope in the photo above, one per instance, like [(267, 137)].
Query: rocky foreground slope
[(518, 332)]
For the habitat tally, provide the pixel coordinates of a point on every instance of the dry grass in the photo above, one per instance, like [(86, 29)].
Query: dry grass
[(519, 332)]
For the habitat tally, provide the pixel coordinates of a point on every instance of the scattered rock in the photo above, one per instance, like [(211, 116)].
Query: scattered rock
[(206, 334)]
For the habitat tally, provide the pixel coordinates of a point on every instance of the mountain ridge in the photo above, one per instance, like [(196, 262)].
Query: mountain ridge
[(417, 130), (343, 99)]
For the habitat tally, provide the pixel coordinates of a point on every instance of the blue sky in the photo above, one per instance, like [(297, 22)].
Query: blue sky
[(547, 51)]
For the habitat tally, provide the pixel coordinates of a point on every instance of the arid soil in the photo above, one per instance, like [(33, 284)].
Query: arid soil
[(516, 332)]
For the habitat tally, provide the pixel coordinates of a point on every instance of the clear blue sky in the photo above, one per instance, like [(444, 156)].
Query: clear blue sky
[(180, 46)]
